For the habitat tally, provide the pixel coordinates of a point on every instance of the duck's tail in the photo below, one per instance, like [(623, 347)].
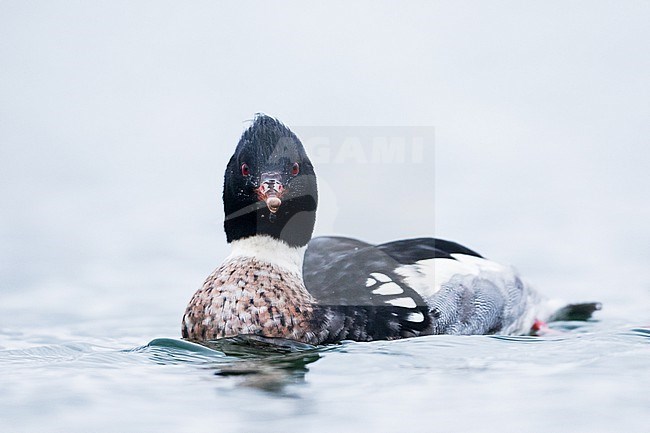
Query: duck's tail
[(579, 312)]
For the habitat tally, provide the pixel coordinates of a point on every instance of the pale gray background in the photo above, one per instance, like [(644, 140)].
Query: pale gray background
[(117, 119)]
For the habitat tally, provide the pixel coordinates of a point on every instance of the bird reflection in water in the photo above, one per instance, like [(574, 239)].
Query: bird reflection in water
[(268, 364)]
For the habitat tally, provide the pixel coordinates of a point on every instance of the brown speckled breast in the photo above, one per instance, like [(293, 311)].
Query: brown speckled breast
[(246, 296)]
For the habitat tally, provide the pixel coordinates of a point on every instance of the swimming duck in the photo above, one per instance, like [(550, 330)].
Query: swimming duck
[(279, 282)]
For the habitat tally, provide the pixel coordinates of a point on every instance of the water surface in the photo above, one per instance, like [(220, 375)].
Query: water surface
[(587, 377)]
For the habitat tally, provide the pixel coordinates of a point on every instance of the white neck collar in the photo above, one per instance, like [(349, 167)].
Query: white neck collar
[(270, 250)]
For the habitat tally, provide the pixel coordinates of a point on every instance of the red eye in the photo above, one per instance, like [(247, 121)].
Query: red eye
[(295, 169), (245, 171)]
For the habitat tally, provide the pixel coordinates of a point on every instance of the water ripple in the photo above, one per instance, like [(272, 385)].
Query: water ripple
[(640, 332)]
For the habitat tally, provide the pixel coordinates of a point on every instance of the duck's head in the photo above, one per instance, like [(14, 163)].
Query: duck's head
[(270, 186)]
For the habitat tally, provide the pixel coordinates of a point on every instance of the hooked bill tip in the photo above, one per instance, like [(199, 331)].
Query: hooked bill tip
[(273, 203)]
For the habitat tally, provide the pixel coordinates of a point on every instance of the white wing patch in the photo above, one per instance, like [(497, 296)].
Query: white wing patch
[(388, 289), (481, 264), (428, 276), (382, 278), (415, 317), (402, 302)]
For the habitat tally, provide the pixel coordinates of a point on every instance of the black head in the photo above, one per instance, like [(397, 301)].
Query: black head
[(270, 186)]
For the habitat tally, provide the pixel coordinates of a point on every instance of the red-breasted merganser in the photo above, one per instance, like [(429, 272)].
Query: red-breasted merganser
[(279, 282)]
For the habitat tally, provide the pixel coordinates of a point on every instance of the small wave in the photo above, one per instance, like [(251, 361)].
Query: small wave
[(640, 332), (268, 364), (47, 353)]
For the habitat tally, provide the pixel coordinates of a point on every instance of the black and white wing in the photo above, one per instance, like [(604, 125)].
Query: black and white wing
[(467, 293), (362, 295), (456, 289)]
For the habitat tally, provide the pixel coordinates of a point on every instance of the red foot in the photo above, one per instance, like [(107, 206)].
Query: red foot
[(540, 328)]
